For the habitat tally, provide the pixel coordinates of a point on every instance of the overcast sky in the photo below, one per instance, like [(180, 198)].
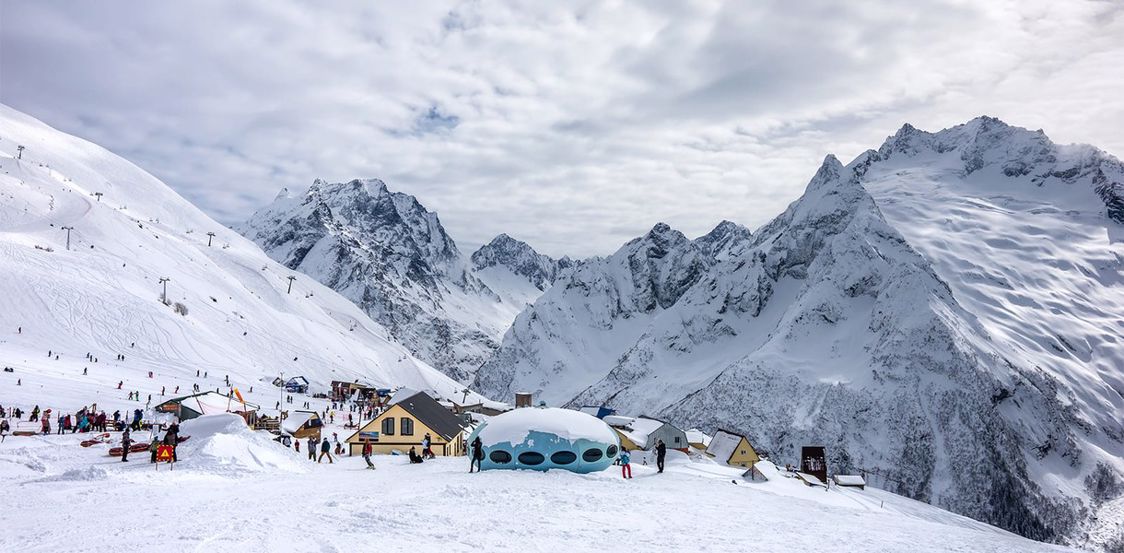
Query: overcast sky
[(574, 127)]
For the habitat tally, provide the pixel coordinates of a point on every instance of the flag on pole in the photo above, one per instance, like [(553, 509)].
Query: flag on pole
[(239, 396)]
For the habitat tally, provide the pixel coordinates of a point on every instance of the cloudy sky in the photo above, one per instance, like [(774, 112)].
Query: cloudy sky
[(573, 126)]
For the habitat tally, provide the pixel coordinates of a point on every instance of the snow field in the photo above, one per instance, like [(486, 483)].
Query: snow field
[(402, 507)]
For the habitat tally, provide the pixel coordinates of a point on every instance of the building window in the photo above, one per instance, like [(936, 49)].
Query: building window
[(388, 426), (500, 456), (563, 457), (677, 439), (591, 455), (531, 458), (406, 425)]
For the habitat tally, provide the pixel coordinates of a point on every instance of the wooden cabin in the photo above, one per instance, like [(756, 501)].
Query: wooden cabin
[(302, 424), (405, 422), (643, 433), (733, 449), (207, 403)]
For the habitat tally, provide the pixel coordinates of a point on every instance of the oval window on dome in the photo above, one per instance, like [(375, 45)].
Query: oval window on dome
[(531, 458), (591, 455), (500, 456), (611, 451), (563, 457)]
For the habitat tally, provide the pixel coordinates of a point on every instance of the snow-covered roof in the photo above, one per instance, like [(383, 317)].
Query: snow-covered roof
[(849, 480), (210, 403), (723, 445), (296, 420), (514, 426), (617, 420), (696, 436), (403, 393)]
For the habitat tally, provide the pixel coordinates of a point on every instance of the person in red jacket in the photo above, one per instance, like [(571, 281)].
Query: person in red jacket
[(367, 449)]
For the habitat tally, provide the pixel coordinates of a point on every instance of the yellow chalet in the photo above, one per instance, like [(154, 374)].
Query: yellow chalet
[(405, 423), (732, 449)]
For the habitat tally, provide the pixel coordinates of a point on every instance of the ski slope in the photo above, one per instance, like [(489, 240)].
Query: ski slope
[(287, 503), (102, 296)]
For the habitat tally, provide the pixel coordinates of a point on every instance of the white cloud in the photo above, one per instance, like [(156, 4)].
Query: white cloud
[(574, 127)]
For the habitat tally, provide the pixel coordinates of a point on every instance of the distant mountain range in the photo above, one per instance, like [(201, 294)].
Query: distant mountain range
[(943, 313), (390, 255)]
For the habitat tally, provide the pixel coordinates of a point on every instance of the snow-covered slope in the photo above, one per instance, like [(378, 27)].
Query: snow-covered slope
[(102, 296), (391, 256), (697, 506), (975, 368)]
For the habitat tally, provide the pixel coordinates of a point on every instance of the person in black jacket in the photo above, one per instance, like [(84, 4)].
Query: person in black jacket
[(126, 441), (477, 454), (661, 452), (325, 449), (172, 438)]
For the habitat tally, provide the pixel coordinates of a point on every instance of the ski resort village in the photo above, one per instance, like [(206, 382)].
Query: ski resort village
[(231, 325)]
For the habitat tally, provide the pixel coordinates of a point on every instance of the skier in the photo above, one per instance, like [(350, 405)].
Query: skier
[(84, 371), (47, 423), (152, 447), (126, 441), (34, 414), (367, 453), (426, 452), (120, 383), (325, 449), (311, 448), (137, 414), (661, 452), (177, 390), (626, 468), (4, 428), (161, 390), (477, 455), (414, 457), (62, 419), (336, 441)]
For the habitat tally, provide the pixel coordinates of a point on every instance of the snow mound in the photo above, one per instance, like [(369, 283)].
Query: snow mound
[(514, 426), (80, 474), (222, 443)]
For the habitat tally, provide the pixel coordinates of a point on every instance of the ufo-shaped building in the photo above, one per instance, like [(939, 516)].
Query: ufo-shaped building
[(546, 438)]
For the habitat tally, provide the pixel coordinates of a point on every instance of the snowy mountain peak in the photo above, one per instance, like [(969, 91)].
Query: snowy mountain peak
[(725, 238), (1025, 159), (391, 256), (519, 258)]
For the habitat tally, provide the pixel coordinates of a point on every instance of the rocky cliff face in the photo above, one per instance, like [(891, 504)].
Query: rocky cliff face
[(391, 256), (940, 313)]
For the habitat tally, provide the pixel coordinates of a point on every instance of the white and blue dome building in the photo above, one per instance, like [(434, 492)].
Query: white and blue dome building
[(546, 438)]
